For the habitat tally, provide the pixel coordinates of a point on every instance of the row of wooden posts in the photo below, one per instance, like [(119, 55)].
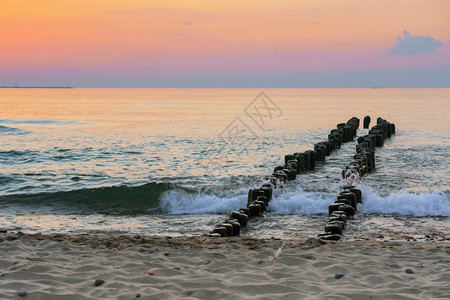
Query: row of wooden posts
[(346, 203), (296, 163)]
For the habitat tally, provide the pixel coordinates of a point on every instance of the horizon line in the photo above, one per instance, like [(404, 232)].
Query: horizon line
[(216, 87)]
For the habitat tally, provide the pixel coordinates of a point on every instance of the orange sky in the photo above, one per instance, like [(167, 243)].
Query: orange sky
[(133, 34)]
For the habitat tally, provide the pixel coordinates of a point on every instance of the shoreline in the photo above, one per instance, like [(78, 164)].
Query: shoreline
[(66, 266)]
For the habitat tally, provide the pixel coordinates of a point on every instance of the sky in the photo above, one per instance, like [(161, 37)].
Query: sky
[(234, 43)]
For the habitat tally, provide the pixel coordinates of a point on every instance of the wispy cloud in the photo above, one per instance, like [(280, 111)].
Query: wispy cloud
[(410, 45)]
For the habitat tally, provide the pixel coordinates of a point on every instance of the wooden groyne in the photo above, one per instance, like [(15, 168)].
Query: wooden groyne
[(259, 199), (345, 206)]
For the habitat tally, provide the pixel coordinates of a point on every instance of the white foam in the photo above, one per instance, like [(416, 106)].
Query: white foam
[(430, 203), (293, 201), (181, 202), (300, 202), (297, 201)]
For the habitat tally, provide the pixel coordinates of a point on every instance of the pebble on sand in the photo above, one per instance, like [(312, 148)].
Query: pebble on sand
[(409, 271), (22, 292), (99, 282), (339, 276)]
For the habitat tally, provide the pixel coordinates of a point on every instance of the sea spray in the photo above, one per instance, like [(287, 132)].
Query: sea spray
[(300, 202), (181, 202), (430, 203), (295, 200)]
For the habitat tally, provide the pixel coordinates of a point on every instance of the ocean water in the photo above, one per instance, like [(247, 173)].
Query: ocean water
[(176, 161)]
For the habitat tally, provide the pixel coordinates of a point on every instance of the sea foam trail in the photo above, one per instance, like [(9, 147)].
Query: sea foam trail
[(430, 203), (300, 202), (297, 201), (293, 201), (182, 202), (162, 197)]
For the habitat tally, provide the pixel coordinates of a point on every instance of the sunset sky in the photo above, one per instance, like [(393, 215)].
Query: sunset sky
[(258, 43)]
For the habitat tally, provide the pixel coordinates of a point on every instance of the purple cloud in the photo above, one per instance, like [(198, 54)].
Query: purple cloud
[(410, 45)]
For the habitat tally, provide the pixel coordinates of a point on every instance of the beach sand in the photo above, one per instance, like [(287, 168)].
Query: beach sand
[(153, 267)]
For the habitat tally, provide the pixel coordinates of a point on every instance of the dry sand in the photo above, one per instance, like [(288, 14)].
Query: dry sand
[(66, 267)]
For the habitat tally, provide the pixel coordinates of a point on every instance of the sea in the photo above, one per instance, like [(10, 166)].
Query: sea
[(177, 161)]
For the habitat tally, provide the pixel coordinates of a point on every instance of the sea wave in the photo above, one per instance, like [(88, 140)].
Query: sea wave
[(41, 122), (165, 198), (429, 203), (14, 157), (115, 200), (297, 201), (182, 202), (5, 130)]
